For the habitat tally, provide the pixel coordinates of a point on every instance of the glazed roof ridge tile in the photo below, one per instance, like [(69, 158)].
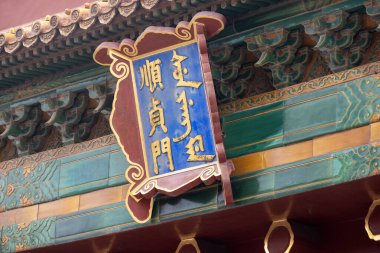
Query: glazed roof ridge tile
[(66, 22)]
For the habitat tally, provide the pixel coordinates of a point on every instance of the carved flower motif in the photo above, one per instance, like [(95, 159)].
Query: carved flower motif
[(21, 226), (375, 118), (27, 171), (25, 201), (21, 247), (4, 239), (10, 189)]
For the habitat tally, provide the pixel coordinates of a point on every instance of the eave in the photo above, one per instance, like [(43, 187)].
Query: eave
[(68, 39)]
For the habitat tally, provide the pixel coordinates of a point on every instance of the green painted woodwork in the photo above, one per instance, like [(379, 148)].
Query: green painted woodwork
[(275, 182), (326, 110), (341, 107), (202, 199), (360, 103), (118, 166), (29, 186), (281, 52), (311, 115), (288, 16), (232, 73), (279, 46), (345, 106), (262, 129), (80, 174), (341, 37), (280, 16), (27, 236), (308, 174), (90, 171), (114, 217), (110, 218), (71, 105), (44, 53), (24, 125), (76, 174), (72, 81)]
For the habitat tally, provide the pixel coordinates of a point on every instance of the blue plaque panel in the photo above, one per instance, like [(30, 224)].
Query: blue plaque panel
[(173, 110)]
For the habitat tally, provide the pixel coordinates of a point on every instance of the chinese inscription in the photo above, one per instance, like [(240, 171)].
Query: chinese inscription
[(179, 132), (151, 75)]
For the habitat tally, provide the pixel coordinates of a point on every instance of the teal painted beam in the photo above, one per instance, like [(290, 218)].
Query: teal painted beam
[(27, 236), (348, 105), (309, 174), (62, 177)]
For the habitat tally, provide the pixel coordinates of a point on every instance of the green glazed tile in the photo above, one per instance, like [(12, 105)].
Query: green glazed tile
[(92, 222), (363, 99), (253, 130), (194, 202), (3, 190), (358, 162), (315, 115), (308, 173), (25, 236), (352, 110), (311, 96), (86, 155), (118, 166), (32, 186), (84, 174), (253, 187)]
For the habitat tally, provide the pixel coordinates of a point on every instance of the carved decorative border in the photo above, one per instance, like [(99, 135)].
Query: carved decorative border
[(301, 88), (33, 160), (65, 23)]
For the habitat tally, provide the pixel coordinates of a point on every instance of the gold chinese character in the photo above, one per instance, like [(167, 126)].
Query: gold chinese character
[(179, 72), (194, 146), (161, 147), (156, 116), (185, 115), (151, 75)]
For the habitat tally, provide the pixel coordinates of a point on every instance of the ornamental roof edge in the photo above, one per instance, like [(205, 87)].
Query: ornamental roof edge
[(65, 23)]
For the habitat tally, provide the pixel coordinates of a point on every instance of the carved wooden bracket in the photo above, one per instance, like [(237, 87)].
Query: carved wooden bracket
[(282, 52), (373, 10), (68, 111), (340, 38), (103, 95), (232, 73), (23, 126)]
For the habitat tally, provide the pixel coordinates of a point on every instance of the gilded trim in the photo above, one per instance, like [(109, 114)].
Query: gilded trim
[(276, 224), (191, 242), (371, 235)]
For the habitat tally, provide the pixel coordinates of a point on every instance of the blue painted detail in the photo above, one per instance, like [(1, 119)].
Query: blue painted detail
[(168, 93)]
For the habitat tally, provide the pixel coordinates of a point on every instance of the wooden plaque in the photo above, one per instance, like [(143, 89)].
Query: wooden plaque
[(165, 114)]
